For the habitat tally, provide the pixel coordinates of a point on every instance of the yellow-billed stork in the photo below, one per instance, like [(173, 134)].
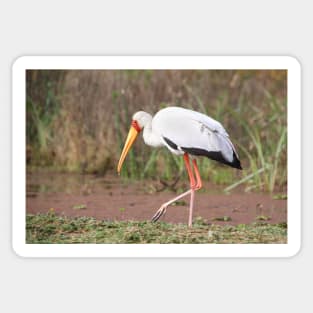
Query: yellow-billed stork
[(183, 132)]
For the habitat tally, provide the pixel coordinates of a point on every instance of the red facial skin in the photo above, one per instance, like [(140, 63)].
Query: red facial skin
[(136, 126)]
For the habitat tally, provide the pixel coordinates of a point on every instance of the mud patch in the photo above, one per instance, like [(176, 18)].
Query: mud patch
[(109, 198)]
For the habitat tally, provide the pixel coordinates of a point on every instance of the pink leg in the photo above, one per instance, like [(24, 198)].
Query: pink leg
[(193, 185), (162, 210), (198, 178), (192, 198), (196, 186), (189, 170)]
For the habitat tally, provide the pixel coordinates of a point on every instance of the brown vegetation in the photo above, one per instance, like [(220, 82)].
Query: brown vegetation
[(77, 120)]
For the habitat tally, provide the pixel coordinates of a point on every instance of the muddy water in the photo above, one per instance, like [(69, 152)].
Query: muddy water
[(112, 199)]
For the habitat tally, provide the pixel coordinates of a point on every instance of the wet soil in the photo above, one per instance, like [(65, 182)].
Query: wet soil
[(111, 198)]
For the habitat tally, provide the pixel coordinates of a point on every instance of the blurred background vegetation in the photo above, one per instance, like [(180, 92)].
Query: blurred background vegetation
[(77, 121)]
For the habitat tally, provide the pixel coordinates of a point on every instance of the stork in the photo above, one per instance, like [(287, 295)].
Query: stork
[(184, 133)]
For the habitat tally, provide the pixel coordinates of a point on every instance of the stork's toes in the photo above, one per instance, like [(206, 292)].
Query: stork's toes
[(158, 214)]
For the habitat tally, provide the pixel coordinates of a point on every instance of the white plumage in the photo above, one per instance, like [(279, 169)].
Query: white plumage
[(192, 129), (189, 131)]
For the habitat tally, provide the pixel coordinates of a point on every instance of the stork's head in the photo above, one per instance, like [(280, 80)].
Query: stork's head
[(140, 119)]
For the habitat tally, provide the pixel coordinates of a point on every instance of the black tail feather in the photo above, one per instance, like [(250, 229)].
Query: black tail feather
[(215, 155)]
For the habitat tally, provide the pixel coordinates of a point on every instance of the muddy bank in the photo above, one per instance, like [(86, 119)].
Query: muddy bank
[(112, 199)]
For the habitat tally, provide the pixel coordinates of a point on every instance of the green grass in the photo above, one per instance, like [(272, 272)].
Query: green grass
[(53, 229)]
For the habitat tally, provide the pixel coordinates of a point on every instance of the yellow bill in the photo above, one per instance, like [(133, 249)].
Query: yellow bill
[(131, 137)]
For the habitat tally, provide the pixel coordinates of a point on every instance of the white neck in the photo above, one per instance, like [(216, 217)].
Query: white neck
[(144, 120), (150, 137)]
